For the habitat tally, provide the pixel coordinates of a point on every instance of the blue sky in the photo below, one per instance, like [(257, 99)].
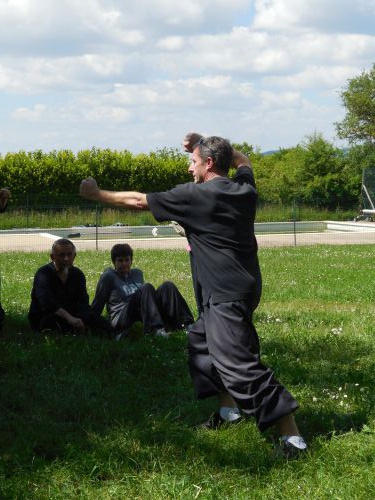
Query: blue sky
[(138, 75)]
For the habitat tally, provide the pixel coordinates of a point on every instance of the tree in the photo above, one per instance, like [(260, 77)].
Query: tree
[(320, 157), (320, 181), (358, 98)]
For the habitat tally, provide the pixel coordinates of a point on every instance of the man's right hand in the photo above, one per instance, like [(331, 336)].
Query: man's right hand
[(89, 189)]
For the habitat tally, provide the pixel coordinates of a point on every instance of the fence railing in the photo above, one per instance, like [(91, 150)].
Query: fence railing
[(32, 225)]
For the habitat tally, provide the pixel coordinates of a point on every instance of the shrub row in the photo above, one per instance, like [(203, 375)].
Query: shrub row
[(315, 173), (38, 177)]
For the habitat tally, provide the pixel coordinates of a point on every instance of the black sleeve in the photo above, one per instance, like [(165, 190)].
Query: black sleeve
[(170, 205), (244, 175)]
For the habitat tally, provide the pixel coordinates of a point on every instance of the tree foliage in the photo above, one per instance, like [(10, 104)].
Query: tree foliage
[(314, 173), (358, 97), (53, 178)]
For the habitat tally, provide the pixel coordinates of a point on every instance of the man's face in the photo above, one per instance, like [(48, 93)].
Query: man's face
[(63, 256), (123, 264), (198, 166)]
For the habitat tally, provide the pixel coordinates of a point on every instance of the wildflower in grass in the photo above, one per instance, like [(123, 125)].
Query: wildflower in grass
[(336, 331), (271, 319)]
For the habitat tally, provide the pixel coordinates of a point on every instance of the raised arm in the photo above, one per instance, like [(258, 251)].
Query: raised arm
[(240, 159), (130, 199), (190, 140)]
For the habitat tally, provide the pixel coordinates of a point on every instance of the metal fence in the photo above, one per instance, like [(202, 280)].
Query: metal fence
[(27, 227)]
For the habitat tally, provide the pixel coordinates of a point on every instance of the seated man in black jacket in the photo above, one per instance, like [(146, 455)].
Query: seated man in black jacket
[(59, 298)]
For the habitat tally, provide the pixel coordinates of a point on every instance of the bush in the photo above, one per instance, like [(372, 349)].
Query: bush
[(44, 178)]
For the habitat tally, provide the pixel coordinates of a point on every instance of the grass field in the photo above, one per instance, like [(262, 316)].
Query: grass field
[(89, 418)]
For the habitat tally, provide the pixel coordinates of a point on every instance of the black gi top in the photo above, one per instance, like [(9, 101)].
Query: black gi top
[(218, 218)]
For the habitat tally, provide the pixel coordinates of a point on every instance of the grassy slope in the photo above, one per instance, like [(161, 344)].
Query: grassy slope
[(89, 418)]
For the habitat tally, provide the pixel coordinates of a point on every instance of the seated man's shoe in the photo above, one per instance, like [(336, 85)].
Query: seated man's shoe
[(187, 328), (120, 335), (216, 421), (160, 332)]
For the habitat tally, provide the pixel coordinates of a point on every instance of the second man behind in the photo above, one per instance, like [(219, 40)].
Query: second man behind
[(128, 298)]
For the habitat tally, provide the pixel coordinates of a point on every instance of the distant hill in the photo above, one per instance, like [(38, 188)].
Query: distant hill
[(271, 152)]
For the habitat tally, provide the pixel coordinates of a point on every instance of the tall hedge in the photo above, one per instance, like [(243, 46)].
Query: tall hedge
[(315, 173), (54, 177)]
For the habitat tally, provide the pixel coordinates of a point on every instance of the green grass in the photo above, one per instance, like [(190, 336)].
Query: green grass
[(89, 418), (71, 216)]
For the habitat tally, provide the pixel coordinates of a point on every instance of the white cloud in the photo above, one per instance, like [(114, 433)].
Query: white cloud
[(171, 43), (33, 114), (115, 73), (320, 15)]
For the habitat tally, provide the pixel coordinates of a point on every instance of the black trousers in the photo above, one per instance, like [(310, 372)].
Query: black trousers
[(51, 321), (163, 307), (224, 355)]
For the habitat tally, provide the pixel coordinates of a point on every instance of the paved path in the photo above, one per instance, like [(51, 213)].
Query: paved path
[(43, 241)]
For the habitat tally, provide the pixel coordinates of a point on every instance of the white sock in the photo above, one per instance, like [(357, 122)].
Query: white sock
[(296, 441), (229, 414)]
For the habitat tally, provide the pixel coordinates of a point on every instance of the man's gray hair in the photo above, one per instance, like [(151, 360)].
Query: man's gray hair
[(61, 242), (219, 149)]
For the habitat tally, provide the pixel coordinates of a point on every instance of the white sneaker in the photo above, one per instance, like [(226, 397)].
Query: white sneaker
[(293, 446), (160, 332), (229, 414), (121, 335)]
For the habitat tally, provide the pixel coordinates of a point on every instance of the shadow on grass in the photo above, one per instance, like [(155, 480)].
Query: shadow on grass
[(89, 400)]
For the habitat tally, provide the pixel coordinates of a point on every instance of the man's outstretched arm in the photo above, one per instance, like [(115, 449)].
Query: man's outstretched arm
[(130, 199)]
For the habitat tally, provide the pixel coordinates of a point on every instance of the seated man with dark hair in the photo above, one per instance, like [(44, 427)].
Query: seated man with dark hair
[(129, 299), (59, 298)]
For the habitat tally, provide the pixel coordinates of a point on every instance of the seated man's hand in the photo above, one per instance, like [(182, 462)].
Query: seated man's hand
[(190, 140), (89, 189), (76, 323)]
